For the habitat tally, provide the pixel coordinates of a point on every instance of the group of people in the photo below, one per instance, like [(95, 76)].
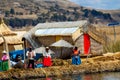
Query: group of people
[(46, 58)]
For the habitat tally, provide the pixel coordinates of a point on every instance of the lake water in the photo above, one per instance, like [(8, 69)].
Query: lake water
[(95, 76)]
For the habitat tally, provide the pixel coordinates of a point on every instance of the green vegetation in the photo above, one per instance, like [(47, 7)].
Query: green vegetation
[(16, 22), (113, 47), (12, 11), (52, 16), (96, 14)]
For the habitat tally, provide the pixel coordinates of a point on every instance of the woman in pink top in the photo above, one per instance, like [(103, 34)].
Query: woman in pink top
[(5, 59), (5, 56)]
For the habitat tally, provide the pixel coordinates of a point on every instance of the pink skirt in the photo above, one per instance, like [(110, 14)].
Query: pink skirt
[(47, 61)]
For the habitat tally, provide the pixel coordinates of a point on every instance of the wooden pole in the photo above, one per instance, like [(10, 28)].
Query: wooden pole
[(61, 52), (24, 40)]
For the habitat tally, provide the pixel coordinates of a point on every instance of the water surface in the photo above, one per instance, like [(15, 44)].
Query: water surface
[(95, 76)]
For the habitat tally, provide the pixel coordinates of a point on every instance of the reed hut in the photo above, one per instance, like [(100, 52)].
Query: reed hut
[(78, 33), (9, 39), (113, 32)]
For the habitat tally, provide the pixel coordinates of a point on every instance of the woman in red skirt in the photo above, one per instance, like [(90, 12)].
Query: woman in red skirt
[(47, 58)]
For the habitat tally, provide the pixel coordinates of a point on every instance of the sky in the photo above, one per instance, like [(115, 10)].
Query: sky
[(99, 4)]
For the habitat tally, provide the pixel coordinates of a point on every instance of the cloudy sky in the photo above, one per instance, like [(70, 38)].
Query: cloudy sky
[(99, 4)]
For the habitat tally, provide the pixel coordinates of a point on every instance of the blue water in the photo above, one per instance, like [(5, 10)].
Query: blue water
[(95, 76)]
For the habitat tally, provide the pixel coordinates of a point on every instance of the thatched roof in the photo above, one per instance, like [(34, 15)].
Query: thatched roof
[(96, 35), (11, 40), (61, 24), (10, 36), (108, 33), (4, 30)]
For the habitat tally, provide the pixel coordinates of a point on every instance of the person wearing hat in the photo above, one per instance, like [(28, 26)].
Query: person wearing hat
[(47, 57), (5, 59), (5, 56)]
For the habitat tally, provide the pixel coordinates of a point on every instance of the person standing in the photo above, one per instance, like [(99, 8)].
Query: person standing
[(75, 56), (30, 55), (47, 58), (5, 58)]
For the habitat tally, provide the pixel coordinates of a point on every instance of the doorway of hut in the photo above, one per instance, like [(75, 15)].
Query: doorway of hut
[(86, 44)]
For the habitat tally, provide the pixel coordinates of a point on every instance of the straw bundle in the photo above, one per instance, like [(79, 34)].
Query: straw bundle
[(9, 36), (93, 65), (11, 40), (109, 31)]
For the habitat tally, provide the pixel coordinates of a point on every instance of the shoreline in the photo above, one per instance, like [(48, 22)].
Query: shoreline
[(99, 64)]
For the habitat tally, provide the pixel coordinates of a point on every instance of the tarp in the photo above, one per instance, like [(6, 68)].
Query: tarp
[(55, 31), (14, 54)]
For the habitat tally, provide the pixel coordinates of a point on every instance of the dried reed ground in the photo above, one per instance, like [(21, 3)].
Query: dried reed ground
[(108, 62)]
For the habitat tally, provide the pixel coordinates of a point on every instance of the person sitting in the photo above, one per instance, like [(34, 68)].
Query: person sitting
[(16, 58), (5, 59), (75, 56), (19, 63)]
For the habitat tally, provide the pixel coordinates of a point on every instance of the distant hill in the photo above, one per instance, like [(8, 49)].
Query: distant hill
[(18, 13), (115, 14)]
